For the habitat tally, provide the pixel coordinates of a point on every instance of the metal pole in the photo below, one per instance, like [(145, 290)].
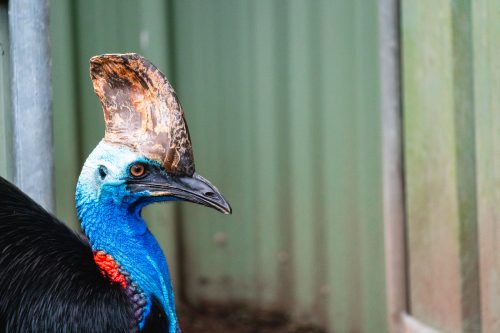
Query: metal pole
[(392, 147), (31, 99)]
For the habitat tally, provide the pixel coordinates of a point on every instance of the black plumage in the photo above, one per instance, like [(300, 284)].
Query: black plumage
[(49, 281)]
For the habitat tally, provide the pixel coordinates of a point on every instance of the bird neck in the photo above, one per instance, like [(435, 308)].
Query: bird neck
[(118, 230)]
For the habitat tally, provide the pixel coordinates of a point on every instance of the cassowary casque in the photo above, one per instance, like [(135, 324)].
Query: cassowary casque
[(115, 278)]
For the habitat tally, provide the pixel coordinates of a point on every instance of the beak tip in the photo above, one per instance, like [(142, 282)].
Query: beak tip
[(227, 210)]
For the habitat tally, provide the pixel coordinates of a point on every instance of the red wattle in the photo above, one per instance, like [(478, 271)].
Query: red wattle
[(109, 268)]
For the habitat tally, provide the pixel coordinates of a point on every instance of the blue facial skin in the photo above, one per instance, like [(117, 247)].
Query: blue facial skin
[(110, 217)]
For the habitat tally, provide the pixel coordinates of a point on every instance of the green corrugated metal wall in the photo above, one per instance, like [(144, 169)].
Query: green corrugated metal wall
[(282, 102), (486, 88), (451, 74), (439, 149)]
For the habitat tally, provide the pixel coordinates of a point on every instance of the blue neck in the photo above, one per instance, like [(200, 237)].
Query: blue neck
[(118, 229)]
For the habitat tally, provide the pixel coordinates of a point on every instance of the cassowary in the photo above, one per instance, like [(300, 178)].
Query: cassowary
[(114, 278)]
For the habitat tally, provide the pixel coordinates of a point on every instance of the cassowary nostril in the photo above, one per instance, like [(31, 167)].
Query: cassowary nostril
[(209, 194)]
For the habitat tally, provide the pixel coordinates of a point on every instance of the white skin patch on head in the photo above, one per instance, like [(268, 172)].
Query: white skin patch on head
[(114, 158)]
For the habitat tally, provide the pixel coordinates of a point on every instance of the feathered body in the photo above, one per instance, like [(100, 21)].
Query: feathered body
[(49, 281)]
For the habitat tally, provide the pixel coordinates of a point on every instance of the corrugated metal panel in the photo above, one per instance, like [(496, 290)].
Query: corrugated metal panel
[(282, 101), (440, 164), (486, 48), (67, 154)]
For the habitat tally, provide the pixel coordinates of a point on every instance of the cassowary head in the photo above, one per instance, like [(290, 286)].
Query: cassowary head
[(146, 154)]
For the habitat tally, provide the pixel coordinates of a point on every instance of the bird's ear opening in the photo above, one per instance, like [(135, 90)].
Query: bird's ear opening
[(103, 171)]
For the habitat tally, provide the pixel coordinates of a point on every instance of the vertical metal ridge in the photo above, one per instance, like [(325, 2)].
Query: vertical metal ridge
[(178, 216), (465, 150), (65, 110), (392, 163), (31, 99)]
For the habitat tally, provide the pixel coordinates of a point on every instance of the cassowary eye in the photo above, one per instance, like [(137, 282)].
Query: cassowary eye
[(137, 170)]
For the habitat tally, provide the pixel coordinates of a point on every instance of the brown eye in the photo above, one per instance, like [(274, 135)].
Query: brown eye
[(137, 170)]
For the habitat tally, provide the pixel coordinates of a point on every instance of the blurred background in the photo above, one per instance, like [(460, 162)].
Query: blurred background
[(357, 142)]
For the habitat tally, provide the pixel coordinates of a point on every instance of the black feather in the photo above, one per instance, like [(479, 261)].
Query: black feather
[(157, 320), (49, 281)]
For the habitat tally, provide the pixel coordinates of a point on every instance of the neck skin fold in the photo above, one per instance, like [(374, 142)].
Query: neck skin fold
[(117, 228)]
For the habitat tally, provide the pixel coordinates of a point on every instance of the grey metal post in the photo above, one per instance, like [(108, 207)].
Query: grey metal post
[(32, 99)]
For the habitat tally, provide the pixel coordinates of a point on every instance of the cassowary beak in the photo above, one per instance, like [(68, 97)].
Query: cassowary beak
[(194, 189)]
